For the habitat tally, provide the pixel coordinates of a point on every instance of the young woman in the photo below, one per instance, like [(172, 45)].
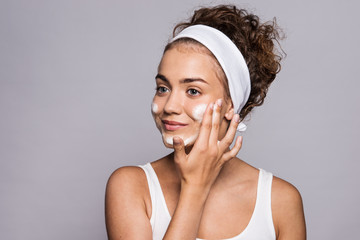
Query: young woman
[(212, 73)]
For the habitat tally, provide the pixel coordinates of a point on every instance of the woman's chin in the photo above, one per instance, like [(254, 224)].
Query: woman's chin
[(168, 141), (168, 145), (188, 140)]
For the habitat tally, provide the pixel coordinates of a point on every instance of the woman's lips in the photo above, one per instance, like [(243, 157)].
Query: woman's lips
[(173, 125)]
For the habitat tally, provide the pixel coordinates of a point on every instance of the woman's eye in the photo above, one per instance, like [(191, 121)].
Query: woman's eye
[(193, 92), (161, 89)]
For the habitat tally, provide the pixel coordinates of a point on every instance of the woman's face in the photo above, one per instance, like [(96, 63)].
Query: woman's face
[(185, 84)]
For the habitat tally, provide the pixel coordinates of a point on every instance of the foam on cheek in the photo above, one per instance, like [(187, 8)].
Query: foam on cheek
[(154, 108), (190, 139), (198, 112), (169, 140)]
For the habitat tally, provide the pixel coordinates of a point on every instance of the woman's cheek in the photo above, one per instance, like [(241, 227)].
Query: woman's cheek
[(154, 111), (154, 108), (198, 112)]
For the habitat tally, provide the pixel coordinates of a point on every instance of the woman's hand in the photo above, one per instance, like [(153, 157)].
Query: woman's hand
[(202, 165)]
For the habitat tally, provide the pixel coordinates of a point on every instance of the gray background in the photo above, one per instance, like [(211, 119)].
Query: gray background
[(76, 83)]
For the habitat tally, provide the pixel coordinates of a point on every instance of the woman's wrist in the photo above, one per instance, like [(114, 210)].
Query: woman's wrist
[(193, 191)]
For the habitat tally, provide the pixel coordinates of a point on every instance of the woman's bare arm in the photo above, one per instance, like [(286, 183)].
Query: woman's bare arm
[(125, 210), (288, 212)]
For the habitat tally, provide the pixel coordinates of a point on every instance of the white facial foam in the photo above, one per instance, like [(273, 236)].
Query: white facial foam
[(198, 112), (187, 141), (169, 140), (154, 107), (190, 139)]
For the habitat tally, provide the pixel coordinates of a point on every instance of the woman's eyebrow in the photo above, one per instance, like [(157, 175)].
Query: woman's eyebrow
[(183, 81), (190, 80), (161, 77)]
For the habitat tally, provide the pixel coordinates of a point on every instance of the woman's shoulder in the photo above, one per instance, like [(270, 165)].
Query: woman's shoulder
[(284, 192), (126, 172), (128, 185), (281, 190), (128, 178), (127, 201), (134, 175), (287, 207), (285, 197)]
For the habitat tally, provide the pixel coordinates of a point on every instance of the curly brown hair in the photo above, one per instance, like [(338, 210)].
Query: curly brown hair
[(258, 43)]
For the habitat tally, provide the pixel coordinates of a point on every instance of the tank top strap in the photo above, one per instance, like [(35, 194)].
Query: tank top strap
[(264, 189), (262, 215), (160, 216), (152, 190)]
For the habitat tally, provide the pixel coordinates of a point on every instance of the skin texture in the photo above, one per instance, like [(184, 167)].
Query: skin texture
[(209, 192)]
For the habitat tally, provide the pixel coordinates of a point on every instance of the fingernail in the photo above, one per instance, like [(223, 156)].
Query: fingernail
[(237, 118), (176, 140), (211, 106), (219, 102)]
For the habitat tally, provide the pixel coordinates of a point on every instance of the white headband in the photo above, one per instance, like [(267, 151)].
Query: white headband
[(230, 59)]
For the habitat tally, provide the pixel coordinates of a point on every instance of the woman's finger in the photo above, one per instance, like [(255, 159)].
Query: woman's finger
[(215, 122), (230, 134), (205, 127), (179, 149), (234, 151)]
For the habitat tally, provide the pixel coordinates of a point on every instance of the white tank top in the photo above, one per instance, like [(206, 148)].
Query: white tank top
[(260, 227)]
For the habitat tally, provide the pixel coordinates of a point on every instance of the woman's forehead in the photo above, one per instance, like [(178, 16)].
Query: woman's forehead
[(182, 61), (185, 63)]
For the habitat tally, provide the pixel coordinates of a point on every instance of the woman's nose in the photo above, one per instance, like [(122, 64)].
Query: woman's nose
[(173, 104)]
